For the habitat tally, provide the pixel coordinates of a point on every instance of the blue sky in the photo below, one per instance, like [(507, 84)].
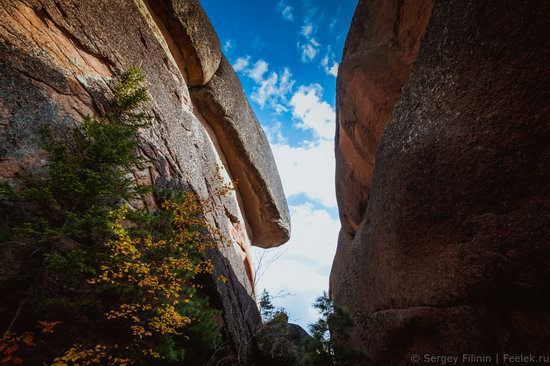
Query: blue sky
[(286, 53)]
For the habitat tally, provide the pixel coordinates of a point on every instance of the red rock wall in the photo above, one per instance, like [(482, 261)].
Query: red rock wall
[(443, 175)]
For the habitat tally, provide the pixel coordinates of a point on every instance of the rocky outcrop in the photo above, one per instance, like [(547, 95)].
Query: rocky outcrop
[(223, 105), (379, 54), (60, 59), (190, 37), (281, 343), (443, 178)]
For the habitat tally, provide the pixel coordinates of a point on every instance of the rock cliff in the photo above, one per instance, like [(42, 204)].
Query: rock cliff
[(443, 178), (58, 62)]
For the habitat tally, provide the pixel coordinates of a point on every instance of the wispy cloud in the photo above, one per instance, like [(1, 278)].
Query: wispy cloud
[(257, 72), (274, 133), (309, 51), (241, 63), (307, 29), (285, 10), (311, 112), (271, 88), (309, 47), (228, 45), (329, 64), (273, 91)]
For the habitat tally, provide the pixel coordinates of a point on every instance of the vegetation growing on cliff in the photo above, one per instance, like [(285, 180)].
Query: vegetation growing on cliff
[(119, 284), (327, 345)]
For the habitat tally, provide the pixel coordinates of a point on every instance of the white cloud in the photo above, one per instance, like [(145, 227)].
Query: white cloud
[(304, 267), (270, 90), (228, 45), (273, 90), (274, 133), (257, 72), (286, 11), (329, 65), (334, 69), (309, 51), (313, 113), (307, 170), (309, 48), (307, 29), (241, 63)]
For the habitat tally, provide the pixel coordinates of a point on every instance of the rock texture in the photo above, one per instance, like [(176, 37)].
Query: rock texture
[(223, 105), (60, 59), (190, 37), (444, 178), (378, 57), (281, 343)]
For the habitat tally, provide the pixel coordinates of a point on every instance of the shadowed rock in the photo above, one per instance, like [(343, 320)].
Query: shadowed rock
[(449, 253)]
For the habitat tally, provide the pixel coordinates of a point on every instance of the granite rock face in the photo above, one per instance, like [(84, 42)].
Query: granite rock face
[(224, 107), (378, 57), (443, 174), (190, 37), (59, 61)]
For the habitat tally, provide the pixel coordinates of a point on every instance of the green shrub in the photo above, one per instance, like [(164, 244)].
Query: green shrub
[(329, 335), (327, 345), (267, 309), (120, 284)]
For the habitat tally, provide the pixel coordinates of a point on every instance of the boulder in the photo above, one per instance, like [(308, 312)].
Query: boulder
[(448, 254), (224, 107), (280, 343), (60, 60), (189, 36)]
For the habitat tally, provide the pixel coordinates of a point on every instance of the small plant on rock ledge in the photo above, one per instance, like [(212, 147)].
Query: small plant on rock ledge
[(275, 348), (327, 345), (120, 284)]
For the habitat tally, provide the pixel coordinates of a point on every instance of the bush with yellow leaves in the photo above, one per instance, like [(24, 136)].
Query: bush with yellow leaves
[(122, 286)]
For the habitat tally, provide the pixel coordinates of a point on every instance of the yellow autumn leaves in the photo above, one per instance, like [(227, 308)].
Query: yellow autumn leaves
[(98, 355), (159, 268)]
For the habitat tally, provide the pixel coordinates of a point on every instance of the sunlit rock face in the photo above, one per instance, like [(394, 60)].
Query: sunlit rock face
[(224, 108), (60, 60), (443, 178)]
